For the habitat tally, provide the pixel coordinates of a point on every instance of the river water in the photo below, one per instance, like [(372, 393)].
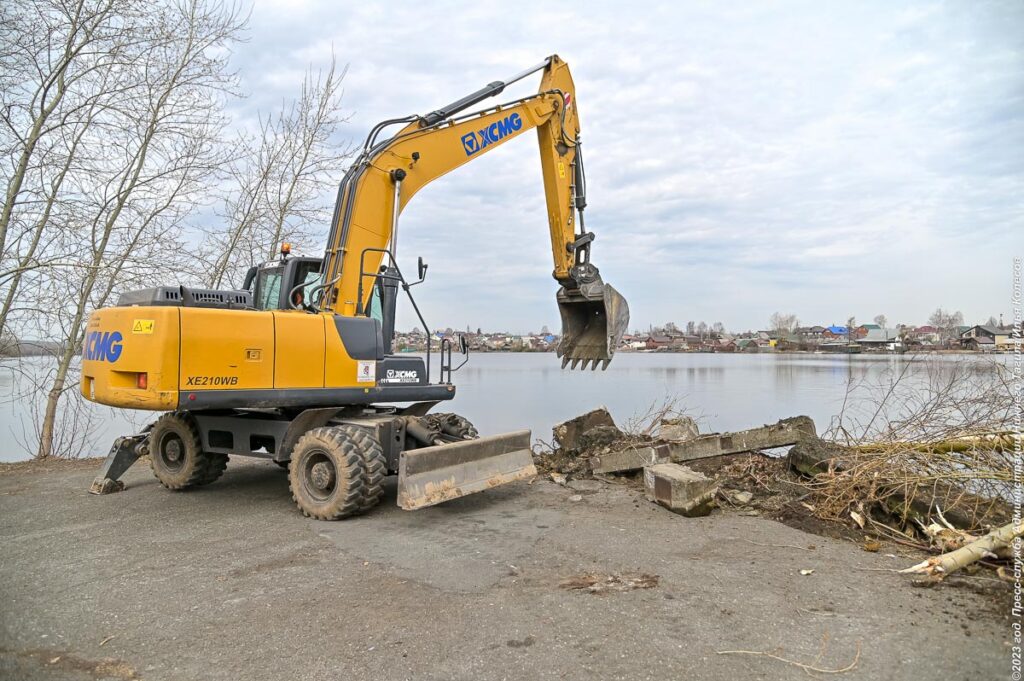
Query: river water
[(507, 391)]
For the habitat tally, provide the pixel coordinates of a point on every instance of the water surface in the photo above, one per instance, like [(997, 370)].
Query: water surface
[(508, 391)]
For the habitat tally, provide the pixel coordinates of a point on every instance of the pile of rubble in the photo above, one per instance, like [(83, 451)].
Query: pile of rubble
[(691, 473), (591, 445)]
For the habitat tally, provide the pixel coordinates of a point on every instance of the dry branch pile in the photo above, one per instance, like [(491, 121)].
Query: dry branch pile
[(924, 459)]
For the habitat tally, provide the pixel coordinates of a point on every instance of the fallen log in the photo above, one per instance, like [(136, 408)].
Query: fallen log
[(987, 546)]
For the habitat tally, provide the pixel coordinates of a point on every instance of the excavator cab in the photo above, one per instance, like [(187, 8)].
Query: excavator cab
[(273, 284)]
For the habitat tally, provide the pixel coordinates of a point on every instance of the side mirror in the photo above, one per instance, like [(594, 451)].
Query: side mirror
[(422, 266), (463, 344), (250, 275)]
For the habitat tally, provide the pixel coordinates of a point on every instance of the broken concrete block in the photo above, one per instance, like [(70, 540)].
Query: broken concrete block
[(629, 458), (813, 456), (568, 433), (680, 489), (598, 437), (782, 434), (678, 429)]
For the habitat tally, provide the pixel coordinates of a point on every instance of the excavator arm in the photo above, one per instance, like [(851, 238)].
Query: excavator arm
[(388, 173)]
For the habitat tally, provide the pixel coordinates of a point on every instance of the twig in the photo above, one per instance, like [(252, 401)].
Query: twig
[(778, 546), (806, 667)]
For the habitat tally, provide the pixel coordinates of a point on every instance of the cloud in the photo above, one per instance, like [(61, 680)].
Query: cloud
[(823, 159)]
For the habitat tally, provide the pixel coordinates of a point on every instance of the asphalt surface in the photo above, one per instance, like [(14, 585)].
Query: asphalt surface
[(231, 582)]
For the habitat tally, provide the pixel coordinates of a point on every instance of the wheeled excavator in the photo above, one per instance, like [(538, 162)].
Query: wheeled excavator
[(299, 365)]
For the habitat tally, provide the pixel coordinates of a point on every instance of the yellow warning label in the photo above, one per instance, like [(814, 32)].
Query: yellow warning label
[(561, 170), (143, 326)]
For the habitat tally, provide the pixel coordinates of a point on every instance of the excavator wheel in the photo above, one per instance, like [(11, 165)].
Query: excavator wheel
[(176, 454), (215, 465), (374, 465), (453, 424), (327, 474)]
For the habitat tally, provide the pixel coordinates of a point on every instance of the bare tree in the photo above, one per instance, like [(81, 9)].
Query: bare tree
[(881, 320), (52, 54), (783, 323), (279, 178), (146, 167), (946, 322)]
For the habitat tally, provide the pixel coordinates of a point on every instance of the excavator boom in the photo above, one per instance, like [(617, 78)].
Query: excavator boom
[(389, 173)]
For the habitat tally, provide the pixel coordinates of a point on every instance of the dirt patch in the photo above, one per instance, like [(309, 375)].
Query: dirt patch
[(602, 584), (50, 465), (105, 668)]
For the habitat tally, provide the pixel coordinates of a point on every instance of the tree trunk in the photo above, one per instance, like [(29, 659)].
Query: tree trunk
[(955, 560)]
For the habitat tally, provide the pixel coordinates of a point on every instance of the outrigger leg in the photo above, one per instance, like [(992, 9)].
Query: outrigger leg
[(124, 452)]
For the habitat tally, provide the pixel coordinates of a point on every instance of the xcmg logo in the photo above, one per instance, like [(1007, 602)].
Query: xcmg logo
[(475, 141), (103, 346)]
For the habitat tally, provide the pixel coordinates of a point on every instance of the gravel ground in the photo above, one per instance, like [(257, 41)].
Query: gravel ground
[(231, 582)]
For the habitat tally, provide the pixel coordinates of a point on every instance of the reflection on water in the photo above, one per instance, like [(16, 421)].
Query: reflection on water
[(509, 391)]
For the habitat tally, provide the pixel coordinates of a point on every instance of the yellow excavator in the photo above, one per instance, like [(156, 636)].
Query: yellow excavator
[(299, 366)]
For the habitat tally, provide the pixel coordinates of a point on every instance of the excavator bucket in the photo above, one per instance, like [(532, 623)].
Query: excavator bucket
[(432, 475), (594, 317)]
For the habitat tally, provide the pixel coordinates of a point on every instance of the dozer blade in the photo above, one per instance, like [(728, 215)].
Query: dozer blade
[(594, 318), (433, 475)]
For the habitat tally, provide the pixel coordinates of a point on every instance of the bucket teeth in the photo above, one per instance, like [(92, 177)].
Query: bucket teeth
[(605, 363), (593, 367), (575, 362), (565, 361)]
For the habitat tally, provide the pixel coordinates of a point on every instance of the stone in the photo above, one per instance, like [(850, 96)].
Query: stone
[(568, 433), (813, 456), (680, 489), (742, 497)]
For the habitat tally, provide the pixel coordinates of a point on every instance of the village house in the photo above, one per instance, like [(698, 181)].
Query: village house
[(656, 342), (833, 332), (984, 337), (881, 339)]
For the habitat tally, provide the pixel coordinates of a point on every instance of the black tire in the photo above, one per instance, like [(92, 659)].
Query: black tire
[(176, 455), (374, 465), (215, 465), (326, 474), (453, 424)]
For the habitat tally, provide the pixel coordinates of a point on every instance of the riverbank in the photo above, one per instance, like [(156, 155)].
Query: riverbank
[(230, 582)]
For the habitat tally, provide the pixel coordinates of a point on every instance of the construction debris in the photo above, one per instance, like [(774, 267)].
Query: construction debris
[(592, 443), (678, 429), (867, 493), (567, 434), (680, 489), (629, 458), (782, 434)]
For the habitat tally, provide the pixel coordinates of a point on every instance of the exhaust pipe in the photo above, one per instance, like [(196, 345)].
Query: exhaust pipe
[(594, 318)]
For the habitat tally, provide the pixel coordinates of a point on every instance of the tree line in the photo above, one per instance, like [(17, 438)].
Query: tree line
[(128, 160)]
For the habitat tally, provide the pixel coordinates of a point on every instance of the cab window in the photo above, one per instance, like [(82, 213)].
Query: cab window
[(268, 288)]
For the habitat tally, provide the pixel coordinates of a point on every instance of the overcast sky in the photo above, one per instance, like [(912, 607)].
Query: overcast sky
[(822, 159)]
